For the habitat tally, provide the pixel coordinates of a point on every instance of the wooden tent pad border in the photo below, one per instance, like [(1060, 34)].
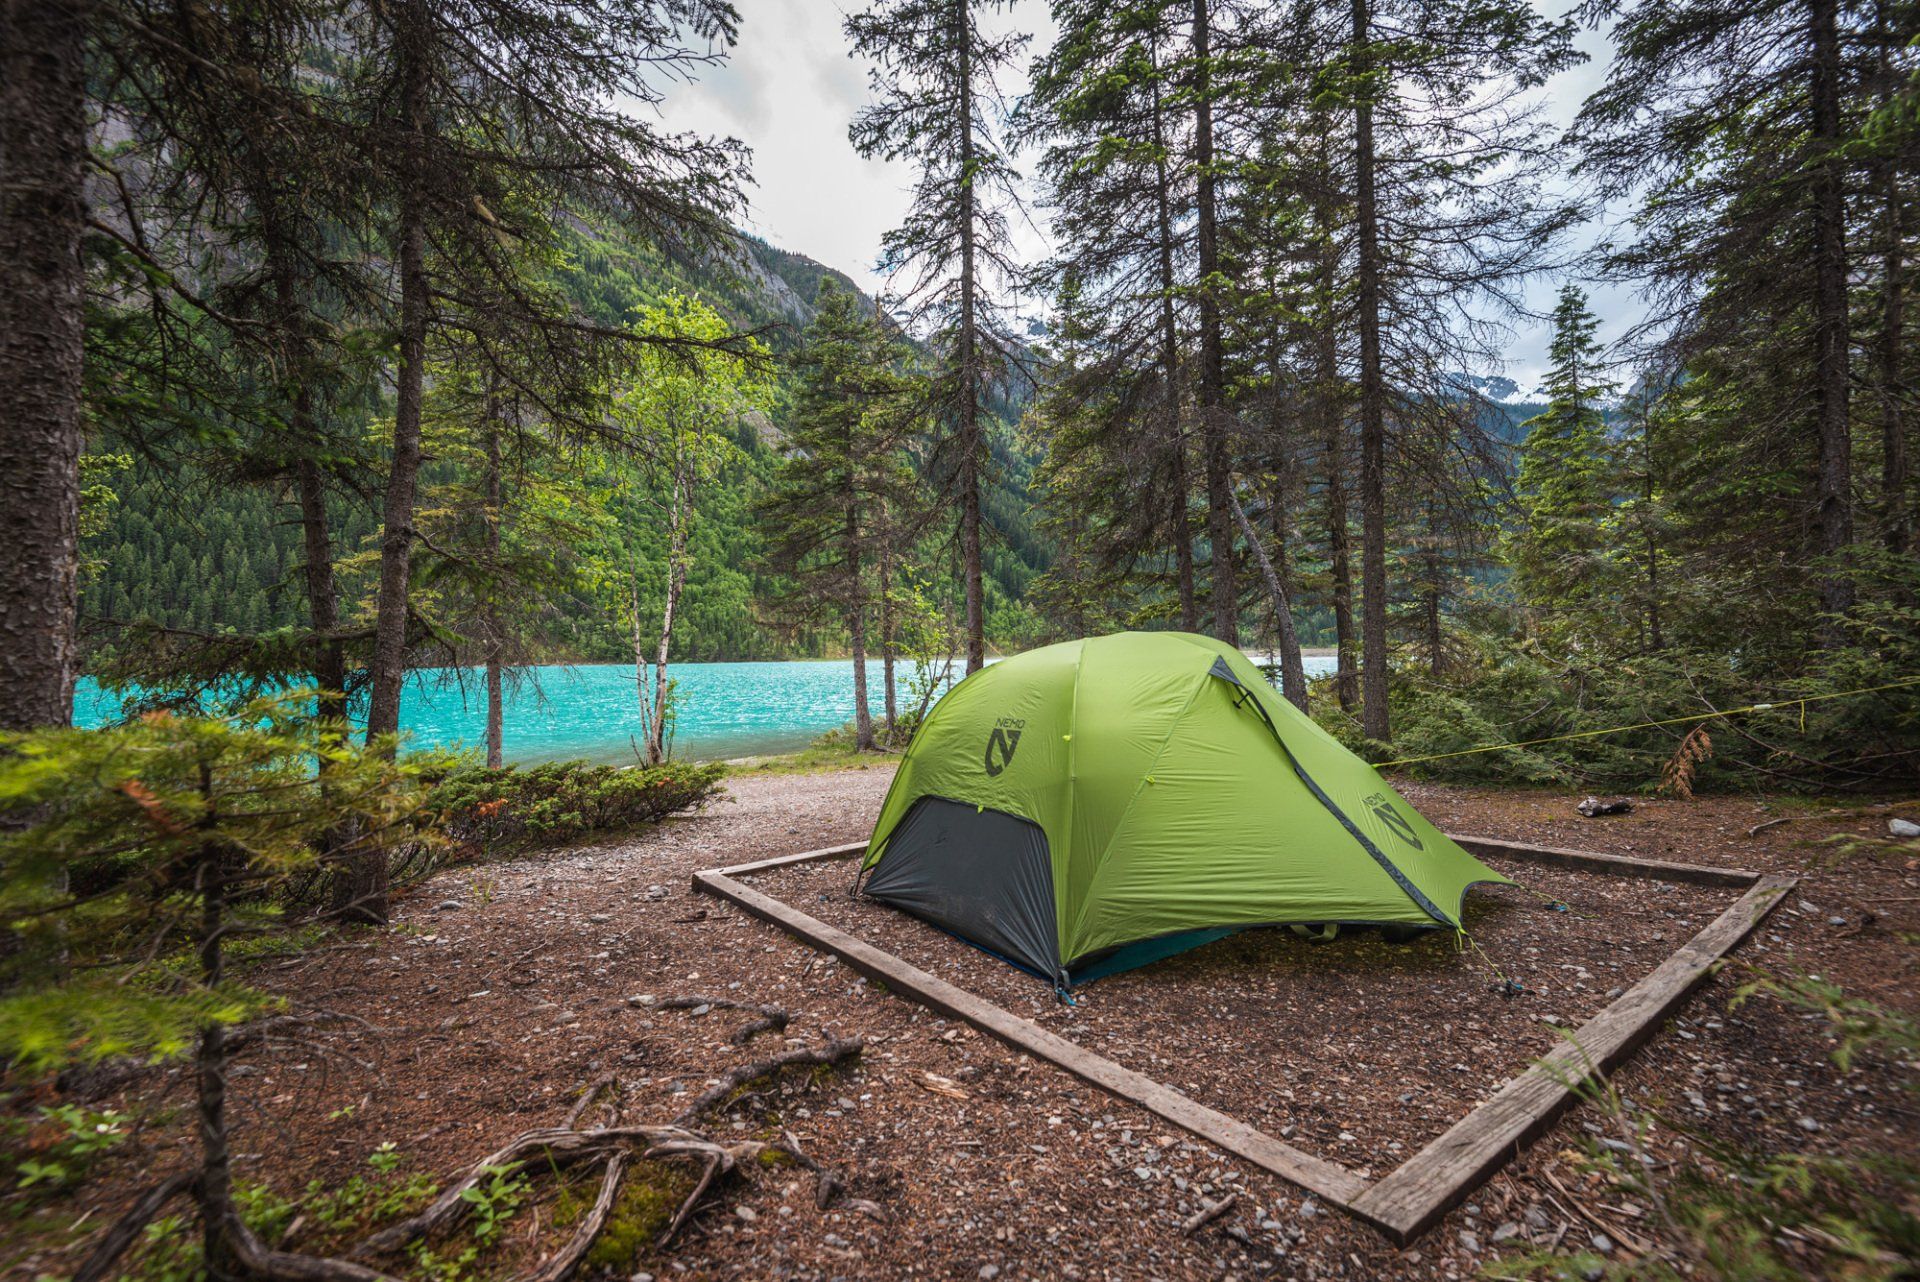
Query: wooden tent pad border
[(1409, 1199)]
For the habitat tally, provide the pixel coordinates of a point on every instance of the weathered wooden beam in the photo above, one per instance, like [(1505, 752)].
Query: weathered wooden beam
[(1327, 1180), (1413, 1197), (847, 851), (1613, 865), (1432, 1181)]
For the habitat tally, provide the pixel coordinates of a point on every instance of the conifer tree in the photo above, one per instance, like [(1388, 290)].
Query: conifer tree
[(1450, 214), (844, 479), (1564, 562), (938, 105), (1120, 191), (1737, 122)]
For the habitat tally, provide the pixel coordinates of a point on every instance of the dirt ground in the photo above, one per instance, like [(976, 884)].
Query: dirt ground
[(508, 987)]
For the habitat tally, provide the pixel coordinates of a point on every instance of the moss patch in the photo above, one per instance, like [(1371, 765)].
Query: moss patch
[(649, 1196)]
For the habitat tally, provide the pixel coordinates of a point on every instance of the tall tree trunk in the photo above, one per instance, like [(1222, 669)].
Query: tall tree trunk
[(1649, 490), (1181, 534), (1433, 596), (1279, 570), (1373, 410), (886, 622), (43, 147), (1830, 318), (1293, 675), (397, 533), (323, 595), (489, 611), (1895, 517), (217, 1210), (678, 518), (968, 383), (857, 631), (360, 891), (1210, 390), (1340, 552)]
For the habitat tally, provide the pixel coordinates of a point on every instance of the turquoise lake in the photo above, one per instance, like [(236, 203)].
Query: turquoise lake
[(591, 711)]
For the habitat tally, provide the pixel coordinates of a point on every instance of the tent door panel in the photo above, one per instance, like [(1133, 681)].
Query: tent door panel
[(984, 875)]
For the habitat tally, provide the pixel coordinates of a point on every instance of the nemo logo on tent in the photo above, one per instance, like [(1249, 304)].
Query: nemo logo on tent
[(1004, 739), (1383, 811)]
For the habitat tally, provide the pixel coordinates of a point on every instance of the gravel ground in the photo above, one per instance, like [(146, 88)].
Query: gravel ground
[(508, 987)]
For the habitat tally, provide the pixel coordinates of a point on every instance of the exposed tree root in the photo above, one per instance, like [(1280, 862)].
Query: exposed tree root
[(564, 1261), (262, 1261), (772, 1018), (114, 1243), (546, 1148), (554, 1147), (832, 1053)]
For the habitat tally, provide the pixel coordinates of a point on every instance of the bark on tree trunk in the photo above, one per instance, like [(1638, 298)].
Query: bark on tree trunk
[(886, 622), (678, 517), (360, 891), (1210, 394), (1279, 570), (1830, 319), (1346, 681), (323, 597), (1333, 430), (968, 356), (396, 541), (490, 614), (1435, 591), (1650, 488), (217, 1211), (43, 147), (857, 632), (1179, 531), (1896, 517), (1293, 676), (388, 668), (1373, 424)]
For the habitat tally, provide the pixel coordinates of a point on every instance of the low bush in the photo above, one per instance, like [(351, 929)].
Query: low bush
[(488, 812)]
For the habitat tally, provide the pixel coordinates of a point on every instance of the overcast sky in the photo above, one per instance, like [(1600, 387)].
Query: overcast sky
[(790, 90)]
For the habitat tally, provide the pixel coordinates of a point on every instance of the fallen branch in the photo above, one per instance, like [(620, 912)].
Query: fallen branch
[(586, 1099), (832, 1053), (772, 1018), (1626, 1238), (1208, 1213), (1759, 828)]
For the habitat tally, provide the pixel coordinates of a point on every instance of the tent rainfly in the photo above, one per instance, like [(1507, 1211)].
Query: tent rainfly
[(1095, 805)]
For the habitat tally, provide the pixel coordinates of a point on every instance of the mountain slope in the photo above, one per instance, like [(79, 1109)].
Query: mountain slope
[(181, 551)]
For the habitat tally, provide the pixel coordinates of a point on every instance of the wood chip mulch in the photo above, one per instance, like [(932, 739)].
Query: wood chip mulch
[(508, 988)]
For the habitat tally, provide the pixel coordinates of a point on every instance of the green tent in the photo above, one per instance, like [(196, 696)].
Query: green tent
[(1097, 804)]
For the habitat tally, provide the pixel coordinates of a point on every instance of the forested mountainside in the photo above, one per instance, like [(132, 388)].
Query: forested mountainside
[(189, 551)]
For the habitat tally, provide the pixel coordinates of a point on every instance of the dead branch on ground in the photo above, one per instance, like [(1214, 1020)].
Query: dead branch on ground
[(772, 1018)]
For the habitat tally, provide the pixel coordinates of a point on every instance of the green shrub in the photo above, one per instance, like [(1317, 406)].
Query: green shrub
[(52, 1151), (494, 811)]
